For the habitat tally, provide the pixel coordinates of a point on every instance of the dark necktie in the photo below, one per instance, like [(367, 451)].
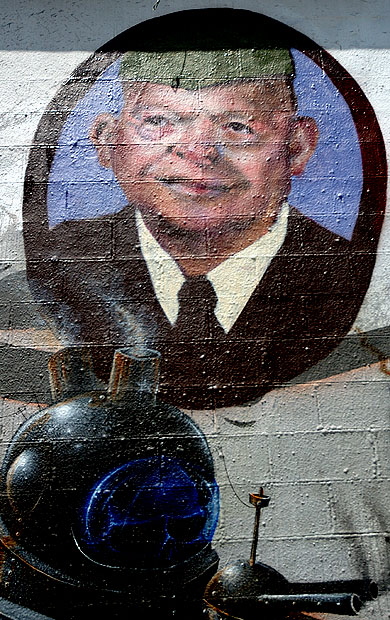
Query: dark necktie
[(197, 301)]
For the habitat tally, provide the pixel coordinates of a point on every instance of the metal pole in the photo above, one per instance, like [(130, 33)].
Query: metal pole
[(258, 500)]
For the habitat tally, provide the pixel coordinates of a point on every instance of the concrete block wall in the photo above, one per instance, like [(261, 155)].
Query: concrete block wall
[(326, 474), (319, 444)]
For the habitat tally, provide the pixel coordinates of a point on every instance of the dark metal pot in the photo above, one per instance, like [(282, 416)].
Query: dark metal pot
[(112, 490), (249, 589)]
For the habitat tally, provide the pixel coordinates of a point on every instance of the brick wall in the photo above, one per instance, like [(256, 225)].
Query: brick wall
[(320, 444)]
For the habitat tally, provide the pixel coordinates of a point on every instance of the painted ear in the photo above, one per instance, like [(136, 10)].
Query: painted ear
[(102, 135), (303, 142)]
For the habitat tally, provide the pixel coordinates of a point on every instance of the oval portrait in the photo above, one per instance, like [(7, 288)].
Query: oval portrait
[(211, 184)]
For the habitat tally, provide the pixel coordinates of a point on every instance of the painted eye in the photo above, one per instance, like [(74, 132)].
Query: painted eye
[(156, 121), (238, 127)]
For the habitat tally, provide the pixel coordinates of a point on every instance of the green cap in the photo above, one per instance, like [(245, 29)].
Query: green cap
[(198, 68)]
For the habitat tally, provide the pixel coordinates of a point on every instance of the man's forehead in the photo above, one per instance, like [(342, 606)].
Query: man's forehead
[(266, 94)]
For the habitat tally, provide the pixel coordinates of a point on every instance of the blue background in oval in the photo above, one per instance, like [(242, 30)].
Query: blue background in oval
[(328, 191)]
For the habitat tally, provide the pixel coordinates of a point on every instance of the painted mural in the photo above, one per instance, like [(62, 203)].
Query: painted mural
[(202, 208), (210, 197)]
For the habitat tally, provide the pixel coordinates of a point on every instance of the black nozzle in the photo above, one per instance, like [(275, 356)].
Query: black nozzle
[(270, 606), (365, 589), (342, 604)]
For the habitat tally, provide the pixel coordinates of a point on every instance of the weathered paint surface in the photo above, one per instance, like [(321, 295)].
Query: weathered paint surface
[(318, 439)]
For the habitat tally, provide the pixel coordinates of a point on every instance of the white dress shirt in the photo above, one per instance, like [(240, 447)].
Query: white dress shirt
[(233, 280)]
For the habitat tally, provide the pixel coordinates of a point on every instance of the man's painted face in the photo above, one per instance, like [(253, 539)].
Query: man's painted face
[(214, 159)]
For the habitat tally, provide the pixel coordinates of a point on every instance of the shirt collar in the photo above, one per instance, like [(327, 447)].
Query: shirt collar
[(166, 276), (234, 280)]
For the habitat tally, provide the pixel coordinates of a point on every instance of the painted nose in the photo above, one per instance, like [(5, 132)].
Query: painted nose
[(201, 154), (199, 143)]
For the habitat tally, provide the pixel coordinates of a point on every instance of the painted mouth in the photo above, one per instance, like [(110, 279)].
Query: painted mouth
[(210, 189)]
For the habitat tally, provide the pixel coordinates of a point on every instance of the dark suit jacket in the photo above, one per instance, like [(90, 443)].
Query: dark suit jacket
[(95, 288)]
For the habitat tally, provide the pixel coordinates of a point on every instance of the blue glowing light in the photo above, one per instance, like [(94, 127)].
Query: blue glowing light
[(149, 513)]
